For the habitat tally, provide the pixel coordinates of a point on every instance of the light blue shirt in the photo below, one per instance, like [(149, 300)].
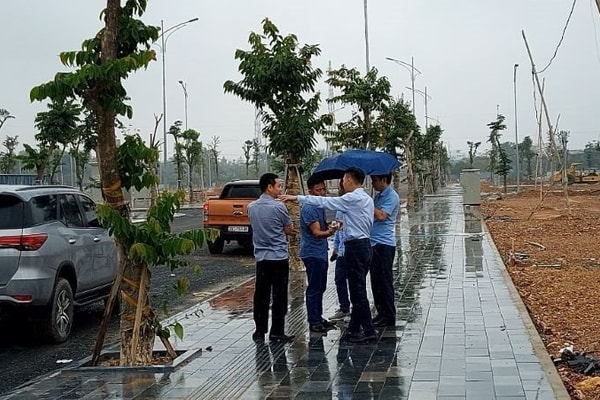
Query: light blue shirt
[(384, 232), (268, 217), (338, 237), (356, 209)]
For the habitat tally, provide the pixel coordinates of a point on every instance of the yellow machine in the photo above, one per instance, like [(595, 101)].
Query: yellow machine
[(576, 174)]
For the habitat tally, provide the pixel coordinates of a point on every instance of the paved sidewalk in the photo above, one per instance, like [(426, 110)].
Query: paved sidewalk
[(461, 333)]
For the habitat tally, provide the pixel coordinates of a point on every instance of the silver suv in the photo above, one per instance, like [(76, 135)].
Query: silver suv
[(54, 255)]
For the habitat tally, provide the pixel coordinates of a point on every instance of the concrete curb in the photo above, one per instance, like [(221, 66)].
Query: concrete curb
[(558, 387)]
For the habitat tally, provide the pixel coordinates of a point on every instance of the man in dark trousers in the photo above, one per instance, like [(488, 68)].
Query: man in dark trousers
[(383, 240), (271, 224), (313, 252)]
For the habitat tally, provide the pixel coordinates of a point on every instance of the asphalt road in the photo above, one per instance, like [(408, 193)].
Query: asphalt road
[(23, 357)]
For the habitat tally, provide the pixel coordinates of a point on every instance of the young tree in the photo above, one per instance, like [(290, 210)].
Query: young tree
[(256, 156), (279, 80), (526, 153), (57, 129), (499, 160), (8, 159), (247, 147), (191, 154), (4, 115), (82, 145), (175, 131), (35, 160), (369, 95), (473, 146), (213, 149), (121, 47), (399, 129)]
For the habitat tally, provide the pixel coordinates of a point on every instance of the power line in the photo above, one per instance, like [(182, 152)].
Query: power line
[(561, 38)]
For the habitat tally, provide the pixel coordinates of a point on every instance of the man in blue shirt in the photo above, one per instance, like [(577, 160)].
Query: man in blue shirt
[(383, 240), (313, 252), (357, 209), (341, 275), (270, 223)]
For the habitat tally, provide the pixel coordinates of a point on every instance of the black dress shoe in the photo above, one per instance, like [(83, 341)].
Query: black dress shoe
[(258, 337), (384, 323), (281, 338), (365, 338), (328, 324), (318, 328)]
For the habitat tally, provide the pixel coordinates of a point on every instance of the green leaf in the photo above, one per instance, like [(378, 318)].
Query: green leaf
[(178, 328)]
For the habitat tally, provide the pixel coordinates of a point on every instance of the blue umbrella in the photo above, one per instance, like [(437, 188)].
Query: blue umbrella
[(369, 161)]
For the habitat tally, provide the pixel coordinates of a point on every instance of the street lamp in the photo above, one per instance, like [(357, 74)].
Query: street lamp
[(411, 68), (426, 97), (163, 50), (185, 94), (368, 64), (516, 126)]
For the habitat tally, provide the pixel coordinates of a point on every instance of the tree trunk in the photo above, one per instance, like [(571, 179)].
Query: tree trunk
[(294, 187), (113, 195), (190, 186)]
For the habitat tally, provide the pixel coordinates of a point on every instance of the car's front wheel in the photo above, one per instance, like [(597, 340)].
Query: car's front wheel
[(60, 321)]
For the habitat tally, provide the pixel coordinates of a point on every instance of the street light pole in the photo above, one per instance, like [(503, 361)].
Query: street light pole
[(426, 97), (368, 64), (163, 50), (185, 95), (516, 126), (412, 69)]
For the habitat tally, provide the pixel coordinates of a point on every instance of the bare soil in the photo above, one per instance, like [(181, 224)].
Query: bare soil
[(550, 243)]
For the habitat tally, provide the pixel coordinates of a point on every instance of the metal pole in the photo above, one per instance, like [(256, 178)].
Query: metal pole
[(516, 127), (426, 122), (367, 38), (185, 95), (164, 98), (412, 78)]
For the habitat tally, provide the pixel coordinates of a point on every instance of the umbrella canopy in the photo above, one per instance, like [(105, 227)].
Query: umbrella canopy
[(369, 161)]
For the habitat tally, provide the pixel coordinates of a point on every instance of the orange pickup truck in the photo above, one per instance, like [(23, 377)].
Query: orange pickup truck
[(228, 213)]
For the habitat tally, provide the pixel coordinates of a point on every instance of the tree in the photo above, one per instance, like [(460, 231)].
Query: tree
[(368, 94), (4, 115), (526, 153), (121, 47), (247, 147), (279, 80), (175, 131), (82, 144), (8, 160), (399, 128), (191, 154), (499, 160), (256, 155), (213, 149), (57, 128), (473, 146), (35, 160)]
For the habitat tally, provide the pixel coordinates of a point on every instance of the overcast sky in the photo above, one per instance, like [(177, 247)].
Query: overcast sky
[(465, 50)]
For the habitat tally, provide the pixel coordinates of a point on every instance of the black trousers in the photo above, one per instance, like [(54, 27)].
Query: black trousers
[(272, 277), (382, 282)]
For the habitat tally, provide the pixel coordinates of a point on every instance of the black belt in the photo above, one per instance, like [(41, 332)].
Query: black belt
[(356, 241)]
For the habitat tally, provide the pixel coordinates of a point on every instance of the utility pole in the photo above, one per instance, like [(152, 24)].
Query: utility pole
[(368, 64), (516, 126), (553, 148)]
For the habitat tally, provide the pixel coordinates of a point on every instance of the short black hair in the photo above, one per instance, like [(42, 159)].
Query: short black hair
[(387, 178), (314, 180), (356, 173), (267, 179)]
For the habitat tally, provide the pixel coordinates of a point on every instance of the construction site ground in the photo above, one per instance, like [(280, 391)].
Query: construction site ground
[(550, 241)]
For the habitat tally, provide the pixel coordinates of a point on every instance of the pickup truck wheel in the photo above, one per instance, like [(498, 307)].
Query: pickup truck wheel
[(216, 247), (59, 323)]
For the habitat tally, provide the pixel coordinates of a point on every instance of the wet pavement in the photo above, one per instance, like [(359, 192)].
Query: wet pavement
[(461, 333)]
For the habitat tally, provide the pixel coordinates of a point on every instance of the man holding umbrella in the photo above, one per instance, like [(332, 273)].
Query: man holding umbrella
[(357, 210)]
